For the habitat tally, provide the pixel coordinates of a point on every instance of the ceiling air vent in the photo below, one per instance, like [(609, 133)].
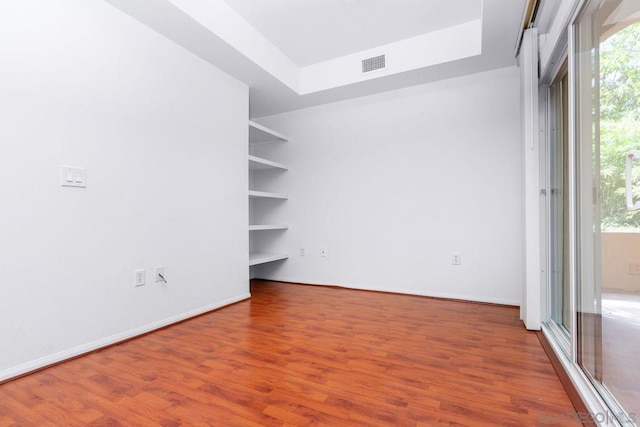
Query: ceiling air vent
[(372, 64)]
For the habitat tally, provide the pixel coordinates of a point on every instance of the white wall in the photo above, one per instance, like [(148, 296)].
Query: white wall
[(392, 184), (617, 251), (163, 136)]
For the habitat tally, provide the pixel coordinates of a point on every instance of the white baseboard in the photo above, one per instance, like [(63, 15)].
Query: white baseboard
[(61, 356), (417, 292)]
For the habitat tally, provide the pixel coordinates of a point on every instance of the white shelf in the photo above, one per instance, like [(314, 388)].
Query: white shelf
[(260, 134), (256, 258), (258, 163), (267, 227), (266, 195)]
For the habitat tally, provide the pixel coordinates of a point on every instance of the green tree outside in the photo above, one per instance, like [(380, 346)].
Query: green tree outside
[(619, 125)]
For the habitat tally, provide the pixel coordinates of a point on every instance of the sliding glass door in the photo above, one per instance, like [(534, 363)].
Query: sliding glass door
[(559, 203), (607, 112)]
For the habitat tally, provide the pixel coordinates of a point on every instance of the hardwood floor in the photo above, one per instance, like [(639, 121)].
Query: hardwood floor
[(301, 355), (620, 332)]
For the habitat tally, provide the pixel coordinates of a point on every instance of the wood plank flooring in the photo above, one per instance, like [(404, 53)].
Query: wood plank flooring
[(307, 355)]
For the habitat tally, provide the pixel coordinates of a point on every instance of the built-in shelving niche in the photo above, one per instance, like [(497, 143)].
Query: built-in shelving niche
[(265, 233)]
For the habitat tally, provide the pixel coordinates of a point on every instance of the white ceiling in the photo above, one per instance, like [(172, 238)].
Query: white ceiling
[(312, 31), (334, 34)]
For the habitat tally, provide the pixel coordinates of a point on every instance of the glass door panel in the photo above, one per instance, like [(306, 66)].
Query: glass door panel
[(559, 201), (607, 60)]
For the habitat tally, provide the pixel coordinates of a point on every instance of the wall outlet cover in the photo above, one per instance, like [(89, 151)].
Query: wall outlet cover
[(456, 258), (139, 277)]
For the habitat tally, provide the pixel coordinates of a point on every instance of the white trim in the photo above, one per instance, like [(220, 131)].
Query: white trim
[(590, 397), (545, 197), (415, 292), (61, 356), (562, 340), (557, 62), (555, 38), (531, 293), (573, 265), (525, 23), (545, 305)]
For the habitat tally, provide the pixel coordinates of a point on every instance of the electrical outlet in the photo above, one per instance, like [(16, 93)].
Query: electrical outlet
[(456, 258), (323, 253), (634, 268), (158, 274), (139, 278), (303, 252)]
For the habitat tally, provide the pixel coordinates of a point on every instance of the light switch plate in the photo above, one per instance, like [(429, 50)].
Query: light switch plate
[(157, 272), (71, 176)]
